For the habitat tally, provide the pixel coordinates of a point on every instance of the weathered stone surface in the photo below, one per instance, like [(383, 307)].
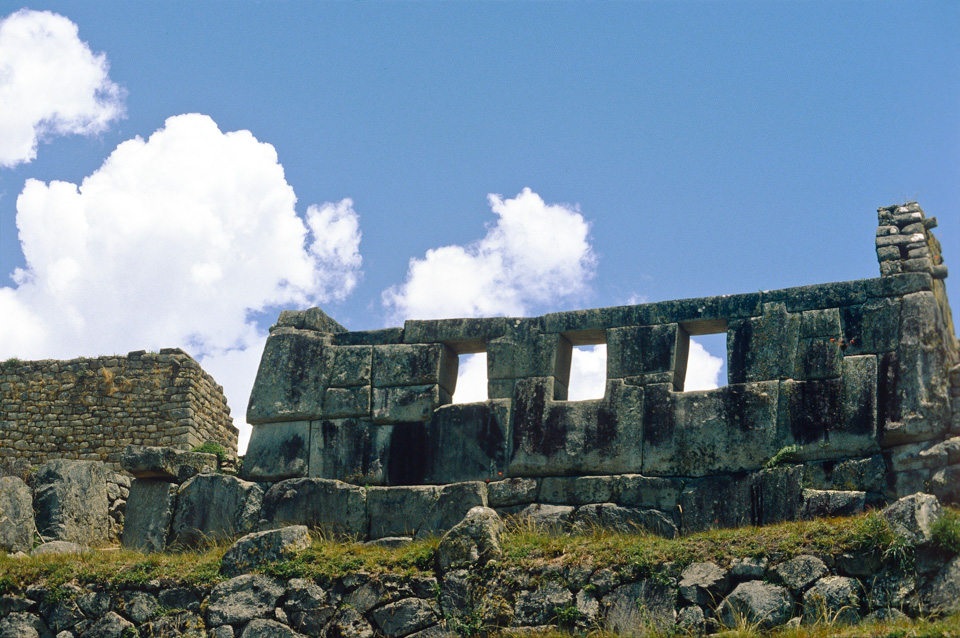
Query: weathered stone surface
[(214, 506), (700, 433), (649, 491), (111, 625), (473, 541), (548, 518), (462, 335), (640, 350), (16, 515), (150, 510), (692, 621), (637, 608), (23, 625), (70, 501), (182, 623), (720, 501), (62, 614), (800, 572), (611, 516), (264, 628), (756, 603), (407, 404), (453, 503), (580, 490), (861, 475), (763, 348), (399, 511), (945, 484), (165, 463), (278, 451), (468, 442), (943, 592), (352, 450), (884, 615), (291, 378), (334, 507), (542, 605), (404, 617), (138, 606), (890, 587), (412, 365), (341, 403), (349, 623), (781, 495), (258, 548), (241, 599), (513, 491), (704, 584), (825, 503), (833, 599), (912, 517), (58, 547), (307, 606), (748, 568)]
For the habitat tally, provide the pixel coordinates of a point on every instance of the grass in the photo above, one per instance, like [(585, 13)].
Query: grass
[(528, 551)]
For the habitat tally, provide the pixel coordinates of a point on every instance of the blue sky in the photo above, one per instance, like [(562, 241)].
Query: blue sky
[(670, 150)]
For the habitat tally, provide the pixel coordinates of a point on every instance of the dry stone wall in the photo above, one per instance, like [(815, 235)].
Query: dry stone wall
[(90, 409), (840, 395)]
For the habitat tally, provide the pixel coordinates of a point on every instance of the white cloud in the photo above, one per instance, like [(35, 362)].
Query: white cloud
[(472, 379), (536, 253), (173, 242), (51, 83), (703, 369), (588, 373)]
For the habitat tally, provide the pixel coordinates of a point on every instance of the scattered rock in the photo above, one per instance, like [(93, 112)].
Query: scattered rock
[(404, 617), (756, 603), (547, 518), (166, 463), (259, 548), (704, 584), (241, 599), (800, 572), (261, 628), (307, 606), (23, 625), (748, 568), (473, 541), (349, 623), (138, 606), (639, 608), (58, 547), (912, 517), (943, 592), (832, 599), (884, 615), (692, 621), (541, 606), (111, 625)]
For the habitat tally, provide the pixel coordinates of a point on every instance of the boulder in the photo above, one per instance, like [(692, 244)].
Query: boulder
[(541, 606), (349, 623), (334, 507), (405, 616), (547, 518), (826, 503), (748, 568), (691, 621), (704, 584), (624, 519), (16, 515), (756, 603), (263, 628), (111, 625), (833, 600), (214, 506), (639, 608), (58, 547), (166, 463), (258, 548), (943, 593), (70, 501), (23, 625), (242, 599), (308, 606), (150, 510), (913, 516), (473, 541), (800, 572), (183, 623)]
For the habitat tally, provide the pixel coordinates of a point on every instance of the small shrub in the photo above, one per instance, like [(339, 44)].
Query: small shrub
[(212, 447), (946, 531), (788, 454)]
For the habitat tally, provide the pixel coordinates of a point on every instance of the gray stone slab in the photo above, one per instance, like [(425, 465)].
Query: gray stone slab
[(730, 429), (291, 378), (332, 506), (212, 506), (898, 285), (717, 501), (340, 403), (277, 451), (650, 491), (16, 515), (513, 491), (641, 350), (399, 511), (579, 490), (165, 463), (70, 501), (820, 323), (349, 365), (525, 352), (382, 337), (468, 442), (818, 358), (829, 295), (780, 494), (149, 514), (452, 505), (350, 450), (415, 364), (405, 404), (763, 348), (259, 548), (461, 335)]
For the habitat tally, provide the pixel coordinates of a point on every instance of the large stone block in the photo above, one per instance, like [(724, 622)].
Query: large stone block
[(70, 502), (332, 506), (382, 337), (819, 358), (291, 378), (718, 501), (149, 513), (556, 438), (763, 348), (579, 490), (461, 335), (820, 323), (468, 442), (349, 365), (16, 515), (165, 463), (415, 364), (642, 350), (277, 451), (211, 506), (339, 403), (871, 328), (407, 404), (526, 352), (729, 429), (421, 510), (350, 450), (780, 494), (650, 491)]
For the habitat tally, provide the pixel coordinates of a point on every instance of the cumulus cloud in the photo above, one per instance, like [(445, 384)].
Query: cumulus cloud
[(703, 369), (51, 83), (588, 373), (535, 253), (174, 241)]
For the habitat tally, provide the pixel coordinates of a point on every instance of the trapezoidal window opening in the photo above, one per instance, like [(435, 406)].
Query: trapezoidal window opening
[(471, 378), (706, 356), (587, 378)]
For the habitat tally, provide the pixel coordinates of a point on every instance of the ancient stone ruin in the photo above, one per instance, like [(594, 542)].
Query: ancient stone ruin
[(855, 384)]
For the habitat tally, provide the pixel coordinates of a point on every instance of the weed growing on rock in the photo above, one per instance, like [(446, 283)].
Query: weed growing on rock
[(946, 531)]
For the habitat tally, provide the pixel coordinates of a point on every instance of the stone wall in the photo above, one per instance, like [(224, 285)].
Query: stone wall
[(90, 409), (848, 384)]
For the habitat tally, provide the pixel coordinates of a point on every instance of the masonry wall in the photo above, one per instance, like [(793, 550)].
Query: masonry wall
[(90, 409)]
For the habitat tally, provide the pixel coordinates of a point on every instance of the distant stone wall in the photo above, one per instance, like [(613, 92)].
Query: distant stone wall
[(847, 386), (90, 409)]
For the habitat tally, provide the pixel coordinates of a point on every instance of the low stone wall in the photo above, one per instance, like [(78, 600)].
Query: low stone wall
[(90, 409)]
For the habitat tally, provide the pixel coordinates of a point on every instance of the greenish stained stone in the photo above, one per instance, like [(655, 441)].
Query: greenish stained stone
[(898, 285), (501, 388), (291, 378), (468, 442), (412, 365), (641, 350), (349, 365), (819, 358), (579, 490), (820, 323), (339, 403), (730, 429), (701, 309), (524, 351), (763, 348), (462, 335), (871, 328), (316, 319), (277, 451), (717, 501), (350, 450), (407, 403), (650, 491), (383, 337)]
